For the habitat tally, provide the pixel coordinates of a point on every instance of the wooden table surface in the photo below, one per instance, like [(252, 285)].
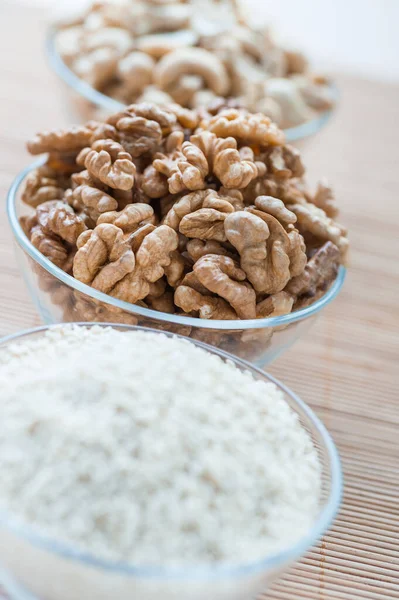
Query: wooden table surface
[(346, 367)]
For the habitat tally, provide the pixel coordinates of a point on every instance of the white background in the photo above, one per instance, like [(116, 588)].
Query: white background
[(358, 36)]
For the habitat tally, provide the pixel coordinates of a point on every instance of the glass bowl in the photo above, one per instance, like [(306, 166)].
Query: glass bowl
[(50, 570), (59, 297), (83, 102)]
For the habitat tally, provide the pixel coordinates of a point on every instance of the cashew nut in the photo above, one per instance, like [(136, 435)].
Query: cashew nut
[(192, 61), (135, 70), (153, 95), (286, 93), (159, 44)]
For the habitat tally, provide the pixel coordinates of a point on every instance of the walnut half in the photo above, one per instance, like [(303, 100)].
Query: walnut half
[(196, 212), (110, 163)]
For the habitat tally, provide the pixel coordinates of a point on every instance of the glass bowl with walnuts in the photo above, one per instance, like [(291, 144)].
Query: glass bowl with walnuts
[(193, 52), (178, 220)]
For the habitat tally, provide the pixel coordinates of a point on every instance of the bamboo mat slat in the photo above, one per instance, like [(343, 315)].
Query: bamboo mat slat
[(345, 367)]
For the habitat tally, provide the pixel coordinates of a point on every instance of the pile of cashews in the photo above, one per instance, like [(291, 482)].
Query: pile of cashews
[(194, 53)]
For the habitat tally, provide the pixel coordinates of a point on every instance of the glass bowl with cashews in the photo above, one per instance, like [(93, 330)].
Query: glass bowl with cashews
[(198, 54), (179, 220)]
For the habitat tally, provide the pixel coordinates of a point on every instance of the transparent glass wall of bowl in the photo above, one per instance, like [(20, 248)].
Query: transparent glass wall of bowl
[(60, 298), (57, 302), (82, 102), (41, 569)]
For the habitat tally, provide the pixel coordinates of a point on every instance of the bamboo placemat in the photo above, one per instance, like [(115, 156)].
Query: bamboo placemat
[(345, 367)]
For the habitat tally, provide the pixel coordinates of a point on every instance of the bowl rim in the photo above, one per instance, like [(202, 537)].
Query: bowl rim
[(204, 571), (292, 134), (227, 325)]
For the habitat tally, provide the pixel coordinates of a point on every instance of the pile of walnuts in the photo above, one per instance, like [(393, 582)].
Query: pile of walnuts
[(192, 53), (184, 212)]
